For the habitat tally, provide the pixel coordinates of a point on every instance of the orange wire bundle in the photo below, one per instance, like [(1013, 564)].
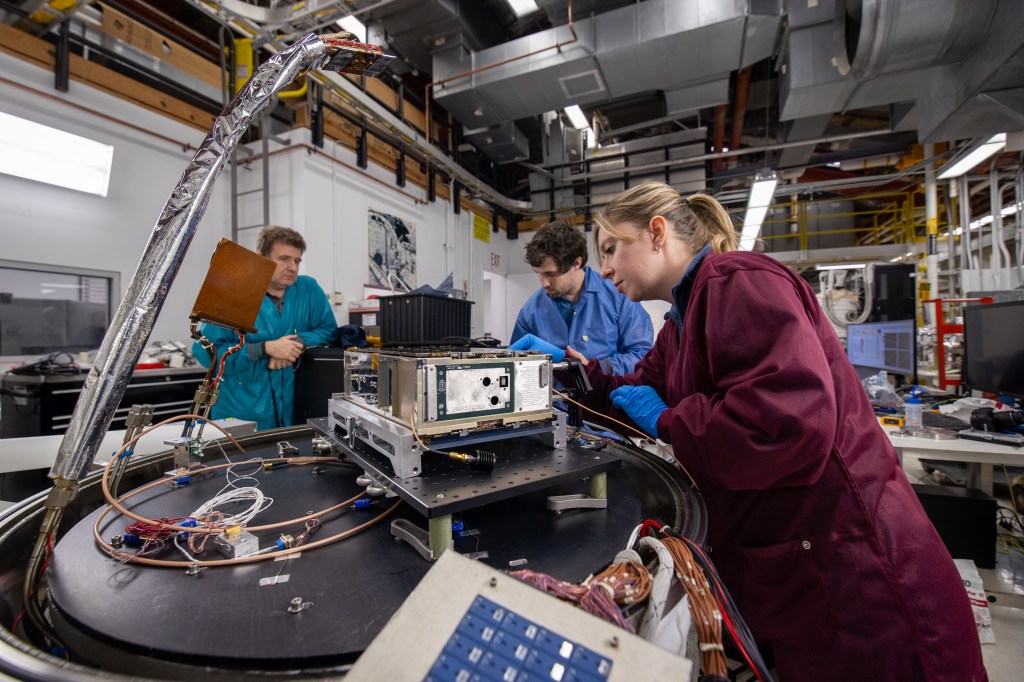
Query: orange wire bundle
[(707, 618)]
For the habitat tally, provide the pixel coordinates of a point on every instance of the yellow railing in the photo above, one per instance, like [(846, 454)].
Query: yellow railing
[(897, 218)]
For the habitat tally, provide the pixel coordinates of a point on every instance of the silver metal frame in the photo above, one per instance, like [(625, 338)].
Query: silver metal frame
[(358, 423)]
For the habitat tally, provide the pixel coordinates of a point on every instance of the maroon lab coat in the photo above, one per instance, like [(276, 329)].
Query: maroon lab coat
[(813, 525)]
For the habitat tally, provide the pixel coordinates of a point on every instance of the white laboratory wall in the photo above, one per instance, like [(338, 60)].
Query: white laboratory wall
[(328, 203), (51, 225)]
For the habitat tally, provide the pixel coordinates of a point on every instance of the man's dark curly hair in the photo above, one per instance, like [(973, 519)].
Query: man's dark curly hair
[(560, 240)]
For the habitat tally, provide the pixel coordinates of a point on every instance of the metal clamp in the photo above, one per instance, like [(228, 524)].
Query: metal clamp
[(596, 496), (430, 543), (286, 449)]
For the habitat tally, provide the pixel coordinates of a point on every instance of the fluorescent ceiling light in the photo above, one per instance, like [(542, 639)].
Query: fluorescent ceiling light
[(523, 7), (44, 154), (353, 25), (757, 207), (576, 117), (852, 266), (958, 167)]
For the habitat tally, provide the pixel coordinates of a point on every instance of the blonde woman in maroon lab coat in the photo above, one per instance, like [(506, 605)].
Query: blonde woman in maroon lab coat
[(812, 522)]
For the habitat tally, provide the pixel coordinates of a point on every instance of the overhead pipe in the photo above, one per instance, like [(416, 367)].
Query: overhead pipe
[(718, 137), (998, 240), (951, 268), (739, 110), (931, 217), (658, 165), (995, 207), (1018, 183), (297, 92), (871, 162), (966, 257)]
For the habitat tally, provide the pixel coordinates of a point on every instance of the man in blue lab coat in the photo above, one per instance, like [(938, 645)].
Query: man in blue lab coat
[(259, 381), (576, 308)]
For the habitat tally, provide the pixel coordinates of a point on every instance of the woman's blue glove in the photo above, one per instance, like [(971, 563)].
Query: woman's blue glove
[(642, 404), (531, 342)]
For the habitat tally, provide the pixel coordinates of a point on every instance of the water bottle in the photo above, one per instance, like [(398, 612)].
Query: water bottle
[(912, 409)]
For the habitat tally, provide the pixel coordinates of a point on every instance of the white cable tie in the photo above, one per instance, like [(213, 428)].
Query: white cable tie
[(711, 646)]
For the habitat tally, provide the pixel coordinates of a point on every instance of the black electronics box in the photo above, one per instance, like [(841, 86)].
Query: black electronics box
[(894, 293), (423, 320), (965, 519), (319, 374)]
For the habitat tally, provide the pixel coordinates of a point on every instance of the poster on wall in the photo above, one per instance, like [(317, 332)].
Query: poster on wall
[(482, 228), (392, 255)]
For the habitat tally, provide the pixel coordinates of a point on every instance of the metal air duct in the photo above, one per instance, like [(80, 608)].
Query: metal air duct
[(954, 62), (876, 37), (651, 45)]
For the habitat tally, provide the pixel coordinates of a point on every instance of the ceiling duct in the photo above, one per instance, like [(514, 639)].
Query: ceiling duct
[(651, 45), (694, 97), (959, 61), (504, 142), (415, 28), (877, 37)]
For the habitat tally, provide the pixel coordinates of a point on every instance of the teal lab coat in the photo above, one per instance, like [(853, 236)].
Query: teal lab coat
[(249, 390)]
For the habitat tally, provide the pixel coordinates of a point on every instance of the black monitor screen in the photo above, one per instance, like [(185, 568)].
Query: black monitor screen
[(994, 348), (888, 346)]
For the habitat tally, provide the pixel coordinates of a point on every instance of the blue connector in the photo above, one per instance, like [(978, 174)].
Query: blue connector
[(183, 480), (457, 526), (190, 523), (362, 503), (132, 539), (279, 543), (124, 455)]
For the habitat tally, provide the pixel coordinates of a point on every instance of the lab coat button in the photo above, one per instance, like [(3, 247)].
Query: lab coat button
[(805, 544)]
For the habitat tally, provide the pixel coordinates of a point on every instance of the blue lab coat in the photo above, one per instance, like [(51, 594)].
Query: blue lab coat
[(605, 325), (249, 389)]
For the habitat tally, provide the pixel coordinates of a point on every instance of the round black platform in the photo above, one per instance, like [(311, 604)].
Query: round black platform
[(224, 618)]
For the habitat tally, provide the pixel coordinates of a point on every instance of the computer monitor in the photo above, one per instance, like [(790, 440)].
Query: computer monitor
[(994, 348), (888, 346), (30, 326)]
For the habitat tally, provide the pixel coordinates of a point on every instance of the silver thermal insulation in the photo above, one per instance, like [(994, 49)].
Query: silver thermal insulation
[(130, 329)]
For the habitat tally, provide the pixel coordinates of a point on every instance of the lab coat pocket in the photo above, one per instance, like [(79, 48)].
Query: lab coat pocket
[(599, 340), (781, 593)]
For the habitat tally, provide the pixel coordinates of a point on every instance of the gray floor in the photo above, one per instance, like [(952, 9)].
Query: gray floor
[(1005, 658)]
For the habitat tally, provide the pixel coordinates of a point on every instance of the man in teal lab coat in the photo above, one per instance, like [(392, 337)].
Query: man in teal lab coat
[(259, 380)]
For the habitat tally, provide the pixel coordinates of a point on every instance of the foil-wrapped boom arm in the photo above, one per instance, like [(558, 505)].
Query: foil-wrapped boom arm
[(135, 316)]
